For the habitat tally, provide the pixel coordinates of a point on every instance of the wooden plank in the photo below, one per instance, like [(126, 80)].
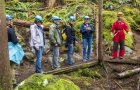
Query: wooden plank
[(72, 68)]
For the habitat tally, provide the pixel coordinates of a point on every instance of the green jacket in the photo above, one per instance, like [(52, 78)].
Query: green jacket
[(55, 35)]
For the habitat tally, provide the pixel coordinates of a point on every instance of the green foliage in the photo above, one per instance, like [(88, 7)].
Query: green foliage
[(88, 72), (47, 82)]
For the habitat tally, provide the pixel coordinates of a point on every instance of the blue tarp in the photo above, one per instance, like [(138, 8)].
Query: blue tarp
[(16, 52)]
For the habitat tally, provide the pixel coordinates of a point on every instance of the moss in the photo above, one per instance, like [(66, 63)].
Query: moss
[(46, 82), (88, 72)]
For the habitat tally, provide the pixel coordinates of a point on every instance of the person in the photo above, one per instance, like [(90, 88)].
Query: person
[(37, 41), (55, 41), (16, 53), (87, 35), (70, 38), (118, 28)]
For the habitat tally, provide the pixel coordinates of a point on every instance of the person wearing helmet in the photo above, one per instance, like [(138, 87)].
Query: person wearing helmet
[(70, 38), (15, 51), (55, 41), (87, 34), (37, 41), (118, 29)]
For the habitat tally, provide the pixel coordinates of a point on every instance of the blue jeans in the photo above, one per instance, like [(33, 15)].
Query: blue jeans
[(38, 67), (69, 54), (55, 51), (87, 45)]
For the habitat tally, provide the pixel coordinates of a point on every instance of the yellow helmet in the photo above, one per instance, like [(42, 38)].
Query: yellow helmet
[(120, 13)]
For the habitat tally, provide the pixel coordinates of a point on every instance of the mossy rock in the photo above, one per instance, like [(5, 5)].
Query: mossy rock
[(46, 82)]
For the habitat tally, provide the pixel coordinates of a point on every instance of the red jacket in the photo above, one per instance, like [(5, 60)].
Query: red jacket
[(119, 26)]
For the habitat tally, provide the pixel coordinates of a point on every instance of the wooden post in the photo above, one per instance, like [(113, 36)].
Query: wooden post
[(5, 74), (100, 46)]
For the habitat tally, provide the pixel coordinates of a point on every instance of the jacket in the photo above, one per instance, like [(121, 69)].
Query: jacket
[(37, 36), (12, 36), (86, 33), (55, 35), (70, 33)]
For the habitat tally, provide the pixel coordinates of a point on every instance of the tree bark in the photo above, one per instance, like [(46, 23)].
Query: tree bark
[(26, 24), (5, 74), (128, 73), (100, 42)]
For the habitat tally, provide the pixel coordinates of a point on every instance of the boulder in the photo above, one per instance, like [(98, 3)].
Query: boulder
[(29, 56), (46, 82)]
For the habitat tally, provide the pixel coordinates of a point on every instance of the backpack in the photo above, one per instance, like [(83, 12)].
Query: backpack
[(64, 36)]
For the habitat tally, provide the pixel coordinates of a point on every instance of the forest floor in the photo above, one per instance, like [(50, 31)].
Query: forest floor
[(108, 80)]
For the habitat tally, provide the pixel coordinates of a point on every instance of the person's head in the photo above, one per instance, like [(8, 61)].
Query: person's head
[(120, 15), (86, 19), (38, 20), (56, 19), (9, 21), (72, 20)]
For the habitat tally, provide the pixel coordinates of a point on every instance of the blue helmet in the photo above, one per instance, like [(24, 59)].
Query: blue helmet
[(8, 17), (55, 18), (38, 18), (86, 17), (72, 18)]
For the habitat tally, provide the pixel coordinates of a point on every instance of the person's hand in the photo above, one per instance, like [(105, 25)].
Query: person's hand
[(88, 28), (130, 33), (56, 45), (37, 48)]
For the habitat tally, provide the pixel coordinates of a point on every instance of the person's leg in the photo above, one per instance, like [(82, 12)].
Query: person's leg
[(38, 60), (122, 50), (56, 57), (70, 52), (115, 50), (89, 48), (84, 49)]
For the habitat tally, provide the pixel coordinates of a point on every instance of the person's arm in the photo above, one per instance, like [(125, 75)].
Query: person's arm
[(14, 37), (33, 34), (126, 27), (92, 29), (82, 29), (52, 35)]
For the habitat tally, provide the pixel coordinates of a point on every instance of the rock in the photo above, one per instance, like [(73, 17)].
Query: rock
[(46, 82), (128, 51), (29, 56), (76, 56), (47, 46)]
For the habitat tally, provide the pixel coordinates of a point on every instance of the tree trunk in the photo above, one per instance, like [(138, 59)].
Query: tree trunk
[(5, 75), (128, 73), (100, 42), (51, 3)]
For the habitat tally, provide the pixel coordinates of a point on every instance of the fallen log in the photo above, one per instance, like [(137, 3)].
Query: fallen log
[(72, 68), (132, 62), (128, 73), (26, 24)]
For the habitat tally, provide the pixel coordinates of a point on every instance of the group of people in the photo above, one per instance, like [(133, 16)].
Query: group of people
[(55, 37), (37, 41)]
